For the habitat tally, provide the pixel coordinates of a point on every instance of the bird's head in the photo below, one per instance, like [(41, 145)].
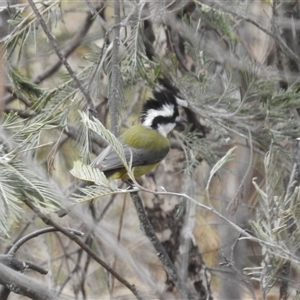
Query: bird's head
[(161, 112)]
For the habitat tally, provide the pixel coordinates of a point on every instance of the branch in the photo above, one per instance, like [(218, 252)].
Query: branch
[(62, 57), (161, 252), (286, 268), (73, 44), (114, 98), (24, 285), (13, 95), (20, 265), (291, 54), (100, 15), (244, 234), (25, 114), (36, 233), (83, 246)]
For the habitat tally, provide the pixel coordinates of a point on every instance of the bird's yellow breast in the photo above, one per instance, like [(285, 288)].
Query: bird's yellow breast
[(138, 171), (141, 137)]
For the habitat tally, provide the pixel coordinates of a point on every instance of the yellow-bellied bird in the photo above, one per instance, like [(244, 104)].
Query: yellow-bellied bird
[(147, 142)]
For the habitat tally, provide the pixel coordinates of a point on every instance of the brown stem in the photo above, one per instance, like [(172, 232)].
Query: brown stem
[(47, 220)]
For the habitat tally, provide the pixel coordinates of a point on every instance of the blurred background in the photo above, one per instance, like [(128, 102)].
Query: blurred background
[(236, 63)]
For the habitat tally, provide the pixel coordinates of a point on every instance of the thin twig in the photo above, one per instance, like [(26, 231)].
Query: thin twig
[(25, 114), (233, 205), (95, 11), (72, 45), (161, 252), (47, 220), (28, 264), (286, 268), (64, 266), (20, 234), (24, 285), (18, 265), (275, 35), (119, 239), (14, 95), (236, 270), (244, 233), (36, 233), (114, 95), (62, 57)]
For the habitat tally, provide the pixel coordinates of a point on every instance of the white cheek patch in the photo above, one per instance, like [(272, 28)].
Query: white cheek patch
[(181, 102), (166, 111), (165, 129)]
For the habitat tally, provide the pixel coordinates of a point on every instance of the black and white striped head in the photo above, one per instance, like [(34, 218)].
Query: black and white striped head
[(161, 112)]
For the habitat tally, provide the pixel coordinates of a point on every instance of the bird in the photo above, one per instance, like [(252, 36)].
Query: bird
[(145, 144)]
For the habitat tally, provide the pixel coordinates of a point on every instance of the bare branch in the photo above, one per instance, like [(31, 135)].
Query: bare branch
[(114, 97), (161, 252), (36, 233), (62, 57), (72, 45), (83, 246), (24, 285), (275, 35)]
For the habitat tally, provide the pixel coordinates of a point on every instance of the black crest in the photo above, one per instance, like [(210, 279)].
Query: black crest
[(160, 98)]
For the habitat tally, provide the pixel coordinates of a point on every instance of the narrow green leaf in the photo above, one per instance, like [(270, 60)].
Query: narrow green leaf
[(88, 173), (96, 126), (226, 158)]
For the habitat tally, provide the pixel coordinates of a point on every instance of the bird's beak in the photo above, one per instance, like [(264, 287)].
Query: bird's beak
[(181, 120), (181, 123)]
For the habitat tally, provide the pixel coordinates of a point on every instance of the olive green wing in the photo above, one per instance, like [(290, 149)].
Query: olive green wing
[(109, 160)]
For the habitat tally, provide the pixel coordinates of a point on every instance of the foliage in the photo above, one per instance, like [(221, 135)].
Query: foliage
[(203, 50), (277, 221)]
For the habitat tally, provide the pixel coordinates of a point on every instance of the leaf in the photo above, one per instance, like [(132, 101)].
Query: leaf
[(226, 158), (24, 86), (96, 126), (21, 179), (92, 192), (88, 173)]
